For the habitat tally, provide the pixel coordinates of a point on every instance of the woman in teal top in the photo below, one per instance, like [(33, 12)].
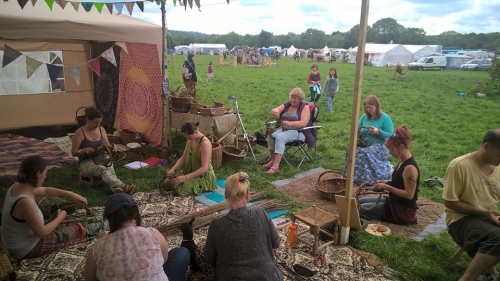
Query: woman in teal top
[(197, 172), (372, 162)]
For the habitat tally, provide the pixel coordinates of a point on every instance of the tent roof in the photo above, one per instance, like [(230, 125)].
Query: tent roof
[(39, 22), (202, 45), (379, 48), (416, 48)]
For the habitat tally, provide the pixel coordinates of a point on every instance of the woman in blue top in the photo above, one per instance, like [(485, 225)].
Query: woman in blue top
[(372, 162)]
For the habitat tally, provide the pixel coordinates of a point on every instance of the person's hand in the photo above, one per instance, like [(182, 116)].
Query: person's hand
[(494, 217), (115, 148), (180, 179), (170, 173), (380, 186), (87, 150), (275, 112), (78, 198), (374, 130), (61, 214)]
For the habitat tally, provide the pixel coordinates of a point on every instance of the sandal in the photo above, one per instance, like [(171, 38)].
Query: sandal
[(272, 170), (118, 190), (268, 164), (129, 188)]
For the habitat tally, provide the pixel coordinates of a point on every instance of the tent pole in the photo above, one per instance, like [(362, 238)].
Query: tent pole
[(360, 60), (166, 140)]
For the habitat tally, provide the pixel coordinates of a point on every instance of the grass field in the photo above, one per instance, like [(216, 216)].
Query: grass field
[(443, 125)]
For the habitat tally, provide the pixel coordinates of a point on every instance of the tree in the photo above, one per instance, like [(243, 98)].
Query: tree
[(387, 29), (313, 38), (286, 41), (351, 39), (265, 39)]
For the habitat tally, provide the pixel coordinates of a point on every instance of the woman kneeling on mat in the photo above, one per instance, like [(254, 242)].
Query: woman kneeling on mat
[(84, 145), (401, 205), (23, 230), (197, 172)]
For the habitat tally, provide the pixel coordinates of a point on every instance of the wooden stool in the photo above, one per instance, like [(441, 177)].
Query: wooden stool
[(86, 179), (316, 218), (456, 256)]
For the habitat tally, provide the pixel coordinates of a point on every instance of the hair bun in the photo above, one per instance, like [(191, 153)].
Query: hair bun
[(243, 176)]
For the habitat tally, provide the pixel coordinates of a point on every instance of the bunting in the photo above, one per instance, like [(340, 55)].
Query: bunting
[(86, 5), (110, 7), (75, 5), (33, 2), (74, 71), (119, 7), (9, 55), (61, 3), (139, 4), (122, 45), (99, 6), (50, 3), (31, 66), (109, 55), (130, 7), (54, 71), (95, 66), (22, 3)]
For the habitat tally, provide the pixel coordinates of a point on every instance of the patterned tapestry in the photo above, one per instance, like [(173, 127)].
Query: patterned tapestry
[(140, 105), (106, 85)]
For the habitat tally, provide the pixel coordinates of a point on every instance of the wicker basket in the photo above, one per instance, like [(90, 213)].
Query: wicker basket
[(49, 207), (217, 111), (218, 103), (272, 126), (127, 137), (216, 156), (180, 104), (81, 120), (252, 139), (331, 187), (233, 156)]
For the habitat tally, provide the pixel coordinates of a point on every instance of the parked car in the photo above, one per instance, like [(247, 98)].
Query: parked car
[(425, 63), (476, 65)]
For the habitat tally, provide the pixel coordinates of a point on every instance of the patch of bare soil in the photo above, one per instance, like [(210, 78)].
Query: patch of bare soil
[(305, 190)]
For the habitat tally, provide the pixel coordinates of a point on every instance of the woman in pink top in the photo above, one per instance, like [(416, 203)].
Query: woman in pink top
[(130, 251)]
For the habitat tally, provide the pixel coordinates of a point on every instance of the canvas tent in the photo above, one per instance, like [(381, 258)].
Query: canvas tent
[(37, 28), (206, 48), (326, 51), (291, 51), (420, 51), (383, 54), (182, 49)]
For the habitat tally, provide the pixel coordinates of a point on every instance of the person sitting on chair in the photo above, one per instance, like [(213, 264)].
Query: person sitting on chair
[(86, 141), (294, 115), (471, 195), (372, 162), (401, 205), (241, 243), (197, 172)]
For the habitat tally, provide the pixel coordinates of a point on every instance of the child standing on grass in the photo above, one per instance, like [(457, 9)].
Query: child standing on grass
[(210, 72), (314, 80), (331, 87)]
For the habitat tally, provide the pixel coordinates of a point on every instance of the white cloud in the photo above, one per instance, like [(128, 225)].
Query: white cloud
[(280, 17)]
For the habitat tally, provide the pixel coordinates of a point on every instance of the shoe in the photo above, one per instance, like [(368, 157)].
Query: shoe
[(268, 164), (129, 188), (118, 190), (271, 170)]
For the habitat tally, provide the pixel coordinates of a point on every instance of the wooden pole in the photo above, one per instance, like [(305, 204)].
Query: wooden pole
[(167, 141), (360, 60)]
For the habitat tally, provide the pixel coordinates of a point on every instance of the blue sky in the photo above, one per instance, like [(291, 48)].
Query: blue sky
[(283, 16)]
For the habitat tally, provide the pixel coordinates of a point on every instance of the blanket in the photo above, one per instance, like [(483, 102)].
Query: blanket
[(14, 148), (342, 263)]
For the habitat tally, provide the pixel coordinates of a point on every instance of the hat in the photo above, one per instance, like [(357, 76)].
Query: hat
[(118, 201)]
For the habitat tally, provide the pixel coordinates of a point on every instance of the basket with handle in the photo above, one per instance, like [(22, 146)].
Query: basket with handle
[(179, 101), (216, 152), (81, 120), (362, 134), (233, 156), (330, 186), (76, 211), (272, 124)]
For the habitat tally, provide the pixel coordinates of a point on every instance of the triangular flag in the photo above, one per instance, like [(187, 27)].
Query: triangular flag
[(99, 6), (119, 7), (95, 66), (139, 4), (31, 66), (74, 71), (22, 3), (122, 45), (61, 3), (190, 2), (175, 2), (33, 2), (197, 2), (9, 55), (54, 71), (75, 5), (109, 55), (110, 7), (50, 3), (130, 7), (86, 5), (227, 2)]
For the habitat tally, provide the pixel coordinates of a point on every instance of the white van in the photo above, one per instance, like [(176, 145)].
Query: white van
[(436, 62)]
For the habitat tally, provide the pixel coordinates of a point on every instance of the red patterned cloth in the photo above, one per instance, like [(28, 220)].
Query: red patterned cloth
[(140, 104)]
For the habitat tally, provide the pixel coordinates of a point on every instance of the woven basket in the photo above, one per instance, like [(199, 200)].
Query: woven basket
[(252, 139), (216, 156), (127, 136), (218, 103), (361, 139), (331, 187), (180, 104), (271, 126), (49, 207), (217, 111), (233, 156), (81, 120)]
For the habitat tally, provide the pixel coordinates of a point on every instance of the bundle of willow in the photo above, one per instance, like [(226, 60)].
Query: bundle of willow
[(205, 219)]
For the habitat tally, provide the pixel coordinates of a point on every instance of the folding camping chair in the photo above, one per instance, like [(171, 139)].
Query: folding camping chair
[(302, 146)]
